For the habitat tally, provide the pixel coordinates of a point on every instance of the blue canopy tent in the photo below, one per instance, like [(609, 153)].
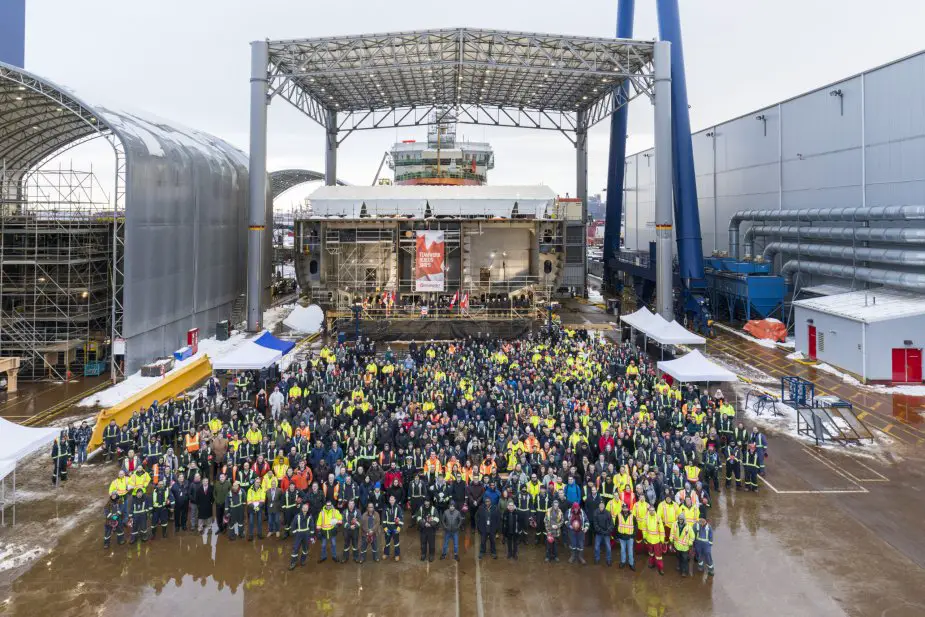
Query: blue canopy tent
[(271, 342), (256, 353)]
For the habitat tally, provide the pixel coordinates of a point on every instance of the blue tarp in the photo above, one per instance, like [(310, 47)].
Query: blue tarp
[(271, 342)]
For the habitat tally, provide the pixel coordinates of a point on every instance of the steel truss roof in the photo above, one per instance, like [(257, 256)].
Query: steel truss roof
[(492, 77), (284, 179)]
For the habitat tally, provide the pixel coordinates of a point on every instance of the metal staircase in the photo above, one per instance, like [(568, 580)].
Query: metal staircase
[(18, 337), (238, 310), (825, 418)]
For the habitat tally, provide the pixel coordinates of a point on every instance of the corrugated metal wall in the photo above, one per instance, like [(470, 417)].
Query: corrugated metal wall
[(800, 153), (185, 242)]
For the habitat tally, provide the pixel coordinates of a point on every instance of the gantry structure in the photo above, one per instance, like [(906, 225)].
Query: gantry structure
[(407, 79)]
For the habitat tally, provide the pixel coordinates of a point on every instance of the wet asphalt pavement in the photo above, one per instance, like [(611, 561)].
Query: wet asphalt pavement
[(786, 553), (828, 534)]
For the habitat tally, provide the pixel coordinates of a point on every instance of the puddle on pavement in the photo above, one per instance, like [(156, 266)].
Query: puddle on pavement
[(908, 409), (34, 397)]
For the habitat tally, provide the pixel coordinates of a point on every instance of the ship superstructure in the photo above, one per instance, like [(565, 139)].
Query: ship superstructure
[(442, 160)]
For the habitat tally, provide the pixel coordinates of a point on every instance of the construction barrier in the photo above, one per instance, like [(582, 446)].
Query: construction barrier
[(167, 388)]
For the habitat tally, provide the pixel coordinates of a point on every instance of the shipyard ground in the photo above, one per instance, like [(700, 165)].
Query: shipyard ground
[(831, 533)]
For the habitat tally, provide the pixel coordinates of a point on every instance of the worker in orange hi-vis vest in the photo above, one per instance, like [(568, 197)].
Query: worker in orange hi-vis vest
[(432, 466), (192, 441), (488, 468)]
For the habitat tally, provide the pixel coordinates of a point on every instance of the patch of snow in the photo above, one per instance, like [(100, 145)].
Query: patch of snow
[(208, 145), (853, 381), (595, 297), (305, 319), (768, 343), (68, 421), (211, 346), (790, 343), (148, 138), (831, 370), (743, 369), (773, 320), (14, 555), (906, 390), (786, 424)]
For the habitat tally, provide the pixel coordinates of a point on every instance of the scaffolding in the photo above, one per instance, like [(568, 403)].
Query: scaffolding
[(362, 262), (57, 241), (365, 269)]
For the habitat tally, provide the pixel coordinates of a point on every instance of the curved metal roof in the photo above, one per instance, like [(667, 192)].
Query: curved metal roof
[(179, 204), (38, 118), (285, 179), (486, 76)]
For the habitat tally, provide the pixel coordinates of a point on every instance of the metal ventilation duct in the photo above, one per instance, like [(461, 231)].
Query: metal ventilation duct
[(875, 213), (849, 253), (907, 280), (891, 235)]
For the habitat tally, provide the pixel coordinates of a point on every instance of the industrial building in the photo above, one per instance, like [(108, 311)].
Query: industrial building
[(822, 190), (820, 185), (97, 269), (877, 335)]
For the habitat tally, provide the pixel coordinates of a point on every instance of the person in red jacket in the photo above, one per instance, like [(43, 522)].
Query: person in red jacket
[(261, 467), (605, 440), (392, 475)]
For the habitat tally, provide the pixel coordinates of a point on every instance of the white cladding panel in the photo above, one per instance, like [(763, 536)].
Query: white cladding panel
[(809, 151)]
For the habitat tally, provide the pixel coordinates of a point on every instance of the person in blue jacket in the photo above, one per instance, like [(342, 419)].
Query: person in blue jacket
[(703, 545), (572, 491)]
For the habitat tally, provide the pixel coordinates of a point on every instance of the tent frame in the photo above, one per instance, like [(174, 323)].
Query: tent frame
[(3, 498)]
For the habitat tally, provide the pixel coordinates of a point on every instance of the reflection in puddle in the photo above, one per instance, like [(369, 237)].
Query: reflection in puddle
[(177, 595), (908, 409)]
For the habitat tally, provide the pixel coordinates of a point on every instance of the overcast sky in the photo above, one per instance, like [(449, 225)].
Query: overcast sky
[(189, 61)]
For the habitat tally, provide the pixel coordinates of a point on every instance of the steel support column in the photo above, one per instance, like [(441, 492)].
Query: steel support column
[(613, 217), (581, 190), (663, 181), (257, 184), (687, 208), (13, 32), (330, 152)]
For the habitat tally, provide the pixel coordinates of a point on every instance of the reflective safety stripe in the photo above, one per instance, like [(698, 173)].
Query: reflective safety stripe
[(624, 525)]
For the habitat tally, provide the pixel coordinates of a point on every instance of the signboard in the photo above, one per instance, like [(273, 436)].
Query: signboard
[(429, 258), (118, 347), (192, 339)]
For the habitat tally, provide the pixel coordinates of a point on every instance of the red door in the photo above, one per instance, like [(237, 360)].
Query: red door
[(914, 365), (812, 342), (899, 365)]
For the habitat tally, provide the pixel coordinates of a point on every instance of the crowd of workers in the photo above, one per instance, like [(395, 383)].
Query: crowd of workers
[(563, 440)]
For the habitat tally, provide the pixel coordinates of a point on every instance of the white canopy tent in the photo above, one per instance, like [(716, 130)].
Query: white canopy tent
[(661, 331), (673, 333), (248, 355), (643, 320), (17, 442), (695, 367)]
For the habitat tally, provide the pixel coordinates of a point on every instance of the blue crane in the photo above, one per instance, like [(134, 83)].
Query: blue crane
[(690, 280)]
